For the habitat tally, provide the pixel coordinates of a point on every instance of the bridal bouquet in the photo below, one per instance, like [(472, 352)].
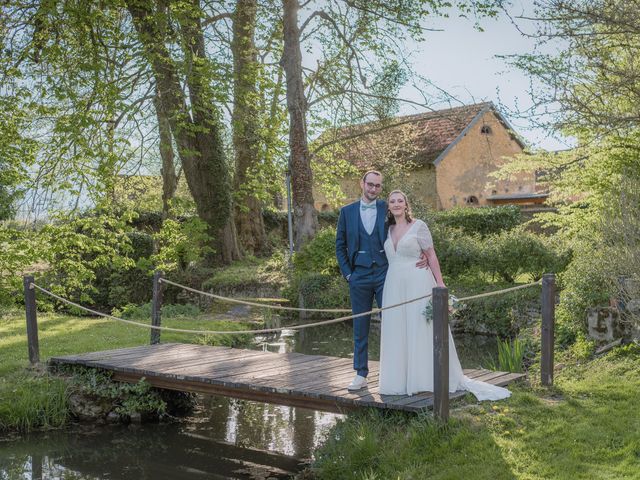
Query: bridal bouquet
[(454, 304)]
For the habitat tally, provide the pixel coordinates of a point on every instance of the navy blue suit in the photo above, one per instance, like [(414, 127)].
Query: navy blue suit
[(361, 257)]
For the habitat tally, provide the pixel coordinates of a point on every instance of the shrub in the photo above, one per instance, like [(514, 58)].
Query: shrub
[(585, 283), (318, 255), (75, 248), (143, 312), (148, 220), (482, 221), (250, 274), (517, 251), (317, 290), (503, 315), (181, 244), (458, 254), (19, 250)]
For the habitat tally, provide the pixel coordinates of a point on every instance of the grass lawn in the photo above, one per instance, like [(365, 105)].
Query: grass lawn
[(586, 427), (33, 399)]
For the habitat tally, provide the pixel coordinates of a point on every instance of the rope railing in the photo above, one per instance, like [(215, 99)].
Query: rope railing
[(328, 310), (263, 330), (253, 304), (222, 332)]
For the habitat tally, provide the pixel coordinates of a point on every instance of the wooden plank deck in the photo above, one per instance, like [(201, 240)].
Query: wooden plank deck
[(310, 381)]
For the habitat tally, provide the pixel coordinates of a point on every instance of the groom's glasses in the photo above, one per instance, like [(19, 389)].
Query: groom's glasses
[(374, 185)]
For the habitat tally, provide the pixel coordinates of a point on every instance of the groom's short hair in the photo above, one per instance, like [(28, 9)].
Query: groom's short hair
[(375, 172)]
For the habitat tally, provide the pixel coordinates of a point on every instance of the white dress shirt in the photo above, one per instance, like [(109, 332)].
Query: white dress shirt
[(368, 215)]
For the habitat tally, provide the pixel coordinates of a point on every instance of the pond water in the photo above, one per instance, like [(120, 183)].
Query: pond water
[(223, 438)]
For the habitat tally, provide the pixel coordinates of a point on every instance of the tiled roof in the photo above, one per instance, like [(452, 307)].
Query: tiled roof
[(419, 138)]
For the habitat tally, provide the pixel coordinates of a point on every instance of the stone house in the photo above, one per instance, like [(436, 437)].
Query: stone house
[(448, 154)]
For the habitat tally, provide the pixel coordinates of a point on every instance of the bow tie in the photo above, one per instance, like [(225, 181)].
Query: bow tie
[(365, 207)]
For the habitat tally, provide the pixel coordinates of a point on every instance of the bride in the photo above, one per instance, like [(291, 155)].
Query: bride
[(406, 350)]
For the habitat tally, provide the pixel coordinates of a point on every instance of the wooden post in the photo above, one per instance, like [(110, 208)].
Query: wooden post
[(156, 307), (440, 301), (548, 326), (32, 319)]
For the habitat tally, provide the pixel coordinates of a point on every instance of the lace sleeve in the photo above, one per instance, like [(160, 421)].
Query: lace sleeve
[(424, 236)]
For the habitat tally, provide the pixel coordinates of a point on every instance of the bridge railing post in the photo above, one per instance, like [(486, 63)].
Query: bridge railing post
[(156, 307), (548, 327), (32, 319), (440, 299)]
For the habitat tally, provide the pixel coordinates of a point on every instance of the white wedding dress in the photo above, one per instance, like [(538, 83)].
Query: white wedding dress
[(406, 350)]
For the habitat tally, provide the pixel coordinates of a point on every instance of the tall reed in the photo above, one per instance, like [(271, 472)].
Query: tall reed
[(510, 355)]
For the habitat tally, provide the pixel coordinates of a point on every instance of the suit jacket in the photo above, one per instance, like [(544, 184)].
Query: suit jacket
[(347, 238)]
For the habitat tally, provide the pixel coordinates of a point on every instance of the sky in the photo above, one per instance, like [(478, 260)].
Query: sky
[(464, 62)]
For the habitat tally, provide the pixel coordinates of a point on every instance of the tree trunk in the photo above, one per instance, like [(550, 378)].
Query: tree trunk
[(305, 217), (196, 127), (168, 170), (246, 126)]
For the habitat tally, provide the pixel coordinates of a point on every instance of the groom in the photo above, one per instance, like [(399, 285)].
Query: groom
[(360, 252)]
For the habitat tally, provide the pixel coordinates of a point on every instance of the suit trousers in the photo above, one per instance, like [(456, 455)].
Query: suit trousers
[(365, 284)]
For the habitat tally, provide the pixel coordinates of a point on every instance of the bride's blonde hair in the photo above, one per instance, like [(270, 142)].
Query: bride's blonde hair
[(407, 209)]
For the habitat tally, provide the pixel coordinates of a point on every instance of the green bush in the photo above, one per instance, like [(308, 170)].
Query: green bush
[(181, 244), (318, 255), (458, 254), (148, 221), (249, 274), (503, 315), (19, 251), (317, 290), (143, 312), (117, 287), (482, 221), (126, 398), (76, 249), (141, 244), (517, 252), (585, 283)]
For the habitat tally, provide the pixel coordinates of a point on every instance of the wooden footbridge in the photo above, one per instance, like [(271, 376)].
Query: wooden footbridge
[(309, 381)]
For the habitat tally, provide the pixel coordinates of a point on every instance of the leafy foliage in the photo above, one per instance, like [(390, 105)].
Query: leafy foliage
[(126, 399), (512, 253), (319, 255), (181, 244), (483, 221), (75, 248), (503, 315), (317, 290)]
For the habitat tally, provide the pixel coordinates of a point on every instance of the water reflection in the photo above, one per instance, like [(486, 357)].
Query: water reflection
[(337, 340), (223, 438)]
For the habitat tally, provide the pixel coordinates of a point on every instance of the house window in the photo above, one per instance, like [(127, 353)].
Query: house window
[(486, 129), (472, 200)]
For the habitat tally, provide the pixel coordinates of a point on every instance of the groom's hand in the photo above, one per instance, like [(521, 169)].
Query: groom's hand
[(423, 262)]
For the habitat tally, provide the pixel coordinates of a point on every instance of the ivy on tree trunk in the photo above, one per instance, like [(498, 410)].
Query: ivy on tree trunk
[(305, 216), (195, 124)]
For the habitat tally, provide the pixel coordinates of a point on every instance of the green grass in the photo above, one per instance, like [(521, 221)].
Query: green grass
[(31, 398), (586, 427)]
